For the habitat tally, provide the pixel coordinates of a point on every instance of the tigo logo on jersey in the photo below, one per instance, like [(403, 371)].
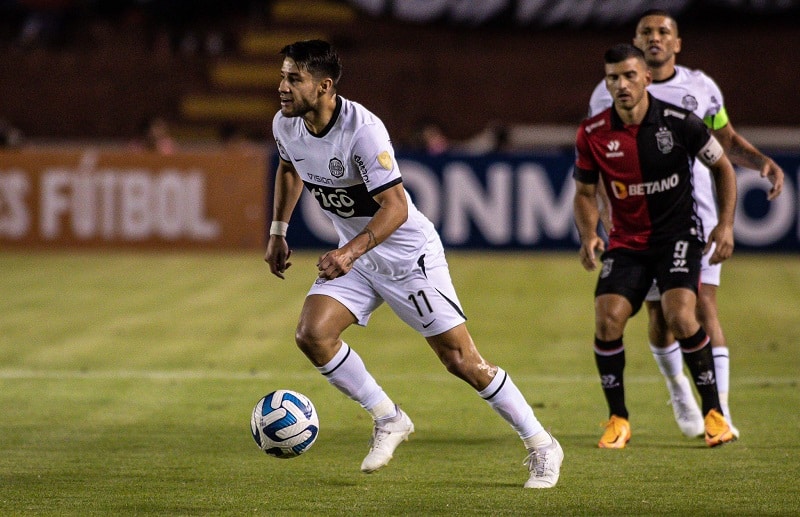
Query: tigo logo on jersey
[(334, 200), (613, 148)]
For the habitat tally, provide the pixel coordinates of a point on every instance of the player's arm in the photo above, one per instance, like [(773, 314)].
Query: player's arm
[(599, 101), (392, 213), (743, 153), (288, 188), (724, 176), (604, 205), (587, 216), (585, 204)]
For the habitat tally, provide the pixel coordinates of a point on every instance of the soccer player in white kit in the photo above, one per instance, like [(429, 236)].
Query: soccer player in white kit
[(657, 36), (388, 252)]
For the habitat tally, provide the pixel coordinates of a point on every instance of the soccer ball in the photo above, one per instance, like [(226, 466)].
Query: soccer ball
[(284, 424)]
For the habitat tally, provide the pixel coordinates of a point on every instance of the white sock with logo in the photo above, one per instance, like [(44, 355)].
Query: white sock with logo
[(508, 402), (670, 364), (347, 372)]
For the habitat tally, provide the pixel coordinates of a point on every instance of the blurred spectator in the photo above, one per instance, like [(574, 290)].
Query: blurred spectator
[(502, 140), (10, 136), (430, 138), (191, 26), (494, 138), (155, 136), (233, 138), (47, 22)]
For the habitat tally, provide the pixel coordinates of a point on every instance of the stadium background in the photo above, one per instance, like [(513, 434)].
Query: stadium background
[(508, 81)]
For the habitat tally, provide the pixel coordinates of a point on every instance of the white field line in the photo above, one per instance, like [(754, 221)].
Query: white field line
[(178, 375)]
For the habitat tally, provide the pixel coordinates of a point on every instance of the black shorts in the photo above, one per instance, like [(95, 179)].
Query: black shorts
[(630, 273)]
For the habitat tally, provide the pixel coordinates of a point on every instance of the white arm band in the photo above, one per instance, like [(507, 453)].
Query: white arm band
[(711, 152), (278, 228)]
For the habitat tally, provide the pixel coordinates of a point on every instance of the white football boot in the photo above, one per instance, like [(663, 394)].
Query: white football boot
[(544, 464), (386, 436)]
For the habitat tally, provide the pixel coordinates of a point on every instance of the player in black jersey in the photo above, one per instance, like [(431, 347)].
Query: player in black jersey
[(642, 150)]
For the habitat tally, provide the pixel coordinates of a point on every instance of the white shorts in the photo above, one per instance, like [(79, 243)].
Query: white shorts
[(708, 275), (424, 298)]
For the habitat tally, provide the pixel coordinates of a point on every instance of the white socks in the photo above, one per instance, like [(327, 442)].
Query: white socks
[(346, 371), (722, 370), (669, 360), (506, 399)]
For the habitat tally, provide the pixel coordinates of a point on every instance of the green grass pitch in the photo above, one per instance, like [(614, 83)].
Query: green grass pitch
[(127, 382)]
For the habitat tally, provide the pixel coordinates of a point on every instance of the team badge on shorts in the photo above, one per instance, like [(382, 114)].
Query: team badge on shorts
[(607, 265), (664, 140)]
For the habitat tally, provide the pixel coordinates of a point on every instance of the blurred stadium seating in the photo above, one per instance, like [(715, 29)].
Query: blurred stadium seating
[(91, 70)]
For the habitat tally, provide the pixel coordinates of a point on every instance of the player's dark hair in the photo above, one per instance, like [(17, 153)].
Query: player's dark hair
[(659, 12), (622, 51), (317, 57)]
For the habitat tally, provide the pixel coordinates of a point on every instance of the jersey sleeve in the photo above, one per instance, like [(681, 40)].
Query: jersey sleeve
[(600, 99), (279, 136), (696, 133), (715, 117), (586, 170), (373, 155), (711, 152)]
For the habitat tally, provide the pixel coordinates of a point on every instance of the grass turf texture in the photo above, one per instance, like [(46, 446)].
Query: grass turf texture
[(127, 382)]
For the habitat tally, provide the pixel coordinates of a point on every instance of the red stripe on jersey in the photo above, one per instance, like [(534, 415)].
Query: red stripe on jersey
[(615, 152)]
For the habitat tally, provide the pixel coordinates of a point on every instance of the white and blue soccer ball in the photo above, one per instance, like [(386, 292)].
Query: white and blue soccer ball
[(284, 424)]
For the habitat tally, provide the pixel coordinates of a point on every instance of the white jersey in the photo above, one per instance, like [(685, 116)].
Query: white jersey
[(343, 167), (694, 91)]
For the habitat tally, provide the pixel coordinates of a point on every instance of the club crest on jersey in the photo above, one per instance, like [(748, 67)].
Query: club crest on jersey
[(336, 167), (385, 160), (664, 140), (689, 102)]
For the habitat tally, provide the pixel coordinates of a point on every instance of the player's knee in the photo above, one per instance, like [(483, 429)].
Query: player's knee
[(658, 333), (454, 364), (681, 323), (462, 368), (610, 325), (311, 340)]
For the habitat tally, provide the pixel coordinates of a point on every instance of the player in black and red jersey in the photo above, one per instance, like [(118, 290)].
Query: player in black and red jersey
[(642, 149)]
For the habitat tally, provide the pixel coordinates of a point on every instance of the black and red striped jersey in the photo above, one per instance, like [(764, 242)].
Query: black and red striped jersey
[(646, 170)]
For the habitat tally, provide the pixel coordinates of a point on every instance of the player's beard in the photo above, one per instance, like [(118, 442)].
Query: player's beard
[(298, 108)]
